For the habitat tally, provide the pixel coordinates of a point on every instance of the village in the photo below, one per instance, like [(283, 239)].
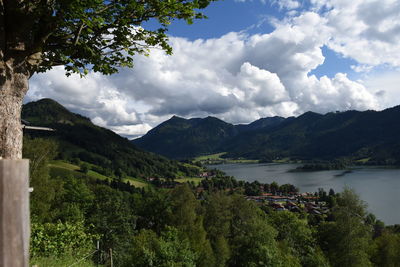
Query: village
[(279, 198), (294, 202)]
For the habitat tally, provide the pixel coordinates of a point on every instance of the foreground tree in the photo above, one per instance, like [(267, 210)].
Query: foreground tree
[(347, 240), (36, 35)]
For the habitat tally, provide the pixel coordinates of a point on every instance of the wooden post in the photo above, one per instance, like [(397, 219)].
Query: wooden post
[(98, 252), (111, 259), (14, 213)]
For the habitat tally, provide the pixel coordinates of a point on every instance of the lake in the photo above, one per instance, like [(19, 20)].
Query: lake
[(379, 187)]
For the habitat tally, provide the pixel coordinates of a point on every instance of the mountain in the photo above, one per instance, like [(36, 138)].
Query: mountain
[(78, 138), (368, 135), (260, 123), (182, 138), (352, 134)]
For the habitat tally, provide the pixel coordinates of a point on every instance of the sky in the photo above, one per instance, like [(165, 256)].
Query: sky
[(250, 59)]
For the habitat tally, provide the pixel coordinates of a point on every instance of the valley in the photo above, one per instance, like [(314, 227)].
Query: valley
[(90, 184)]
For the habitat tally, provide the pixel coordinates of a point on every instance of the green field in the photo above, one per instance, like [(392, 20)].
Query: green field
[(196, 180), (363, 161), (216, 156), (282, 160), (62, 168), (61, 261), (217, 159), (136, 182), (64, 165)]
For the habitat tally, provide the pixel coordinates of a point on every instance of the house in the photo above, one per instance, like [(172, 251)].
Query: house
[(290, 205), (277, 207)]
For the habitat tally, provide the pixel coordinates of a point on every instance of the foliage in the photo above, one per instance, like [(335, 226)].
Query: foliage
[(166, 250), (252, 238), (111, 214), (217, 222), (56, 239), (297, 237), (186, 216), (85, 168), (96, 34), (40, 152), (64, 260), (386, 251), (346, 240)]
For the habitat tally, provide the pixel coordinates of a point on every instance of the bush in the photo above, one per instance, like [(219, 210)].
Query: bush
[(58, 239)]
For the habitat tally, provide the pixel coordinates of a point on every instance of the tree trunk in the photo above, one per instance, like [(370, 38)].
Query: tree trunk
[(13, 87)]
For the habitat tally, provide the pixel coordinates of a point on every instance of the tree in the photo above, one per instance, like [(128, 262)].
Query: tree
[(85, 168), (101, 35), (346, 240), (56, 239), (186, 216), (252, 239), (166, 250), (297, 238), (386, 250), (40, 152), (217, 221)]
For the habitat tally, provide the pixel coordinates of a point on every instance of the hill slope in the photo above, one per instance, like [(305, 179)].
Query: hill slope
[(78, 138), (181, 138), (350, 134)]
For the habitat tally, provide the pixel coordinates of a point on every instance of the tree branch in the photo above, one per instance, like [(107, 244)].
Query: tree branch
[(78, 34)]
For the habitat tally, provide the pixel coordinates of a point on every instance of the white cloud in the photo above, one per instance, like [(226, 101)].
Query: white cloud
[(386, 87), (361, 68), (282, 4), (287, 4), (367, 31), (240, 77), (93, 96)]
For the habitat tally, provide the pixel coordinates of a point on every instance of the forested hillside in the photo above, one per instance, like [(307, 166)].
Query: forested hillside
[(369, 136), (80, 140), (181, 138)]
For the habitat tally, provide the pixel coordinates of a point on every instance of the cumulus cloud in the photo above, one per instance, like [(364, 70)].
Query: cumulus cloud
[(386, 87), (239, 77), (367, 31), (287, 4), (93, 96), (282, 4)]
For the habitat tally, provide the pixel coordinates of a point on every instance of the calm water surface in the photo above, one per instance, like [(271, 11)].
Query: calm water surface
[(379, 187)]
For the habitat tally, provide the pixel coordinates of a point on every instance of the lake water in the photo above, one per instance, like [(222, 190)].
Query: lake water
[(379, 187)]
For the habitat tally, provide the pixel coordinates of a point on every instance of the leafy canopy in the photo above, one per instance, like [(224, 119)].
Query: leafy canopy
[(98, 34)]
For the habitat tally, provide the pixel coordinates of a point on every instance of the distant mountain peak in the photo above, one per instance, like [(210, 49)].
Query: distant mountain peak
[(176, 117), (310, 114)]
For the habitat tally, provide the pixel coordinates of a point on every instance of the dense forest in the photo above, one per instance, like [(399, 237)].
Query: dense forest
[(368, 137), (185, 226)]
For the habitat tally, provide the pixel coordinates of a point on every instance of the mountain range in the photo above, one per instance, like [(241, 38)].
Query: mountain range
[(368, 136)]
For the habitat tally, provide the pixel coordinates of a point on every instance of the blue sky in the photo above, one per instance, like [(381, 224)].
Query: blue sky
[(249, 59), (253, 17), (227, 16)]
